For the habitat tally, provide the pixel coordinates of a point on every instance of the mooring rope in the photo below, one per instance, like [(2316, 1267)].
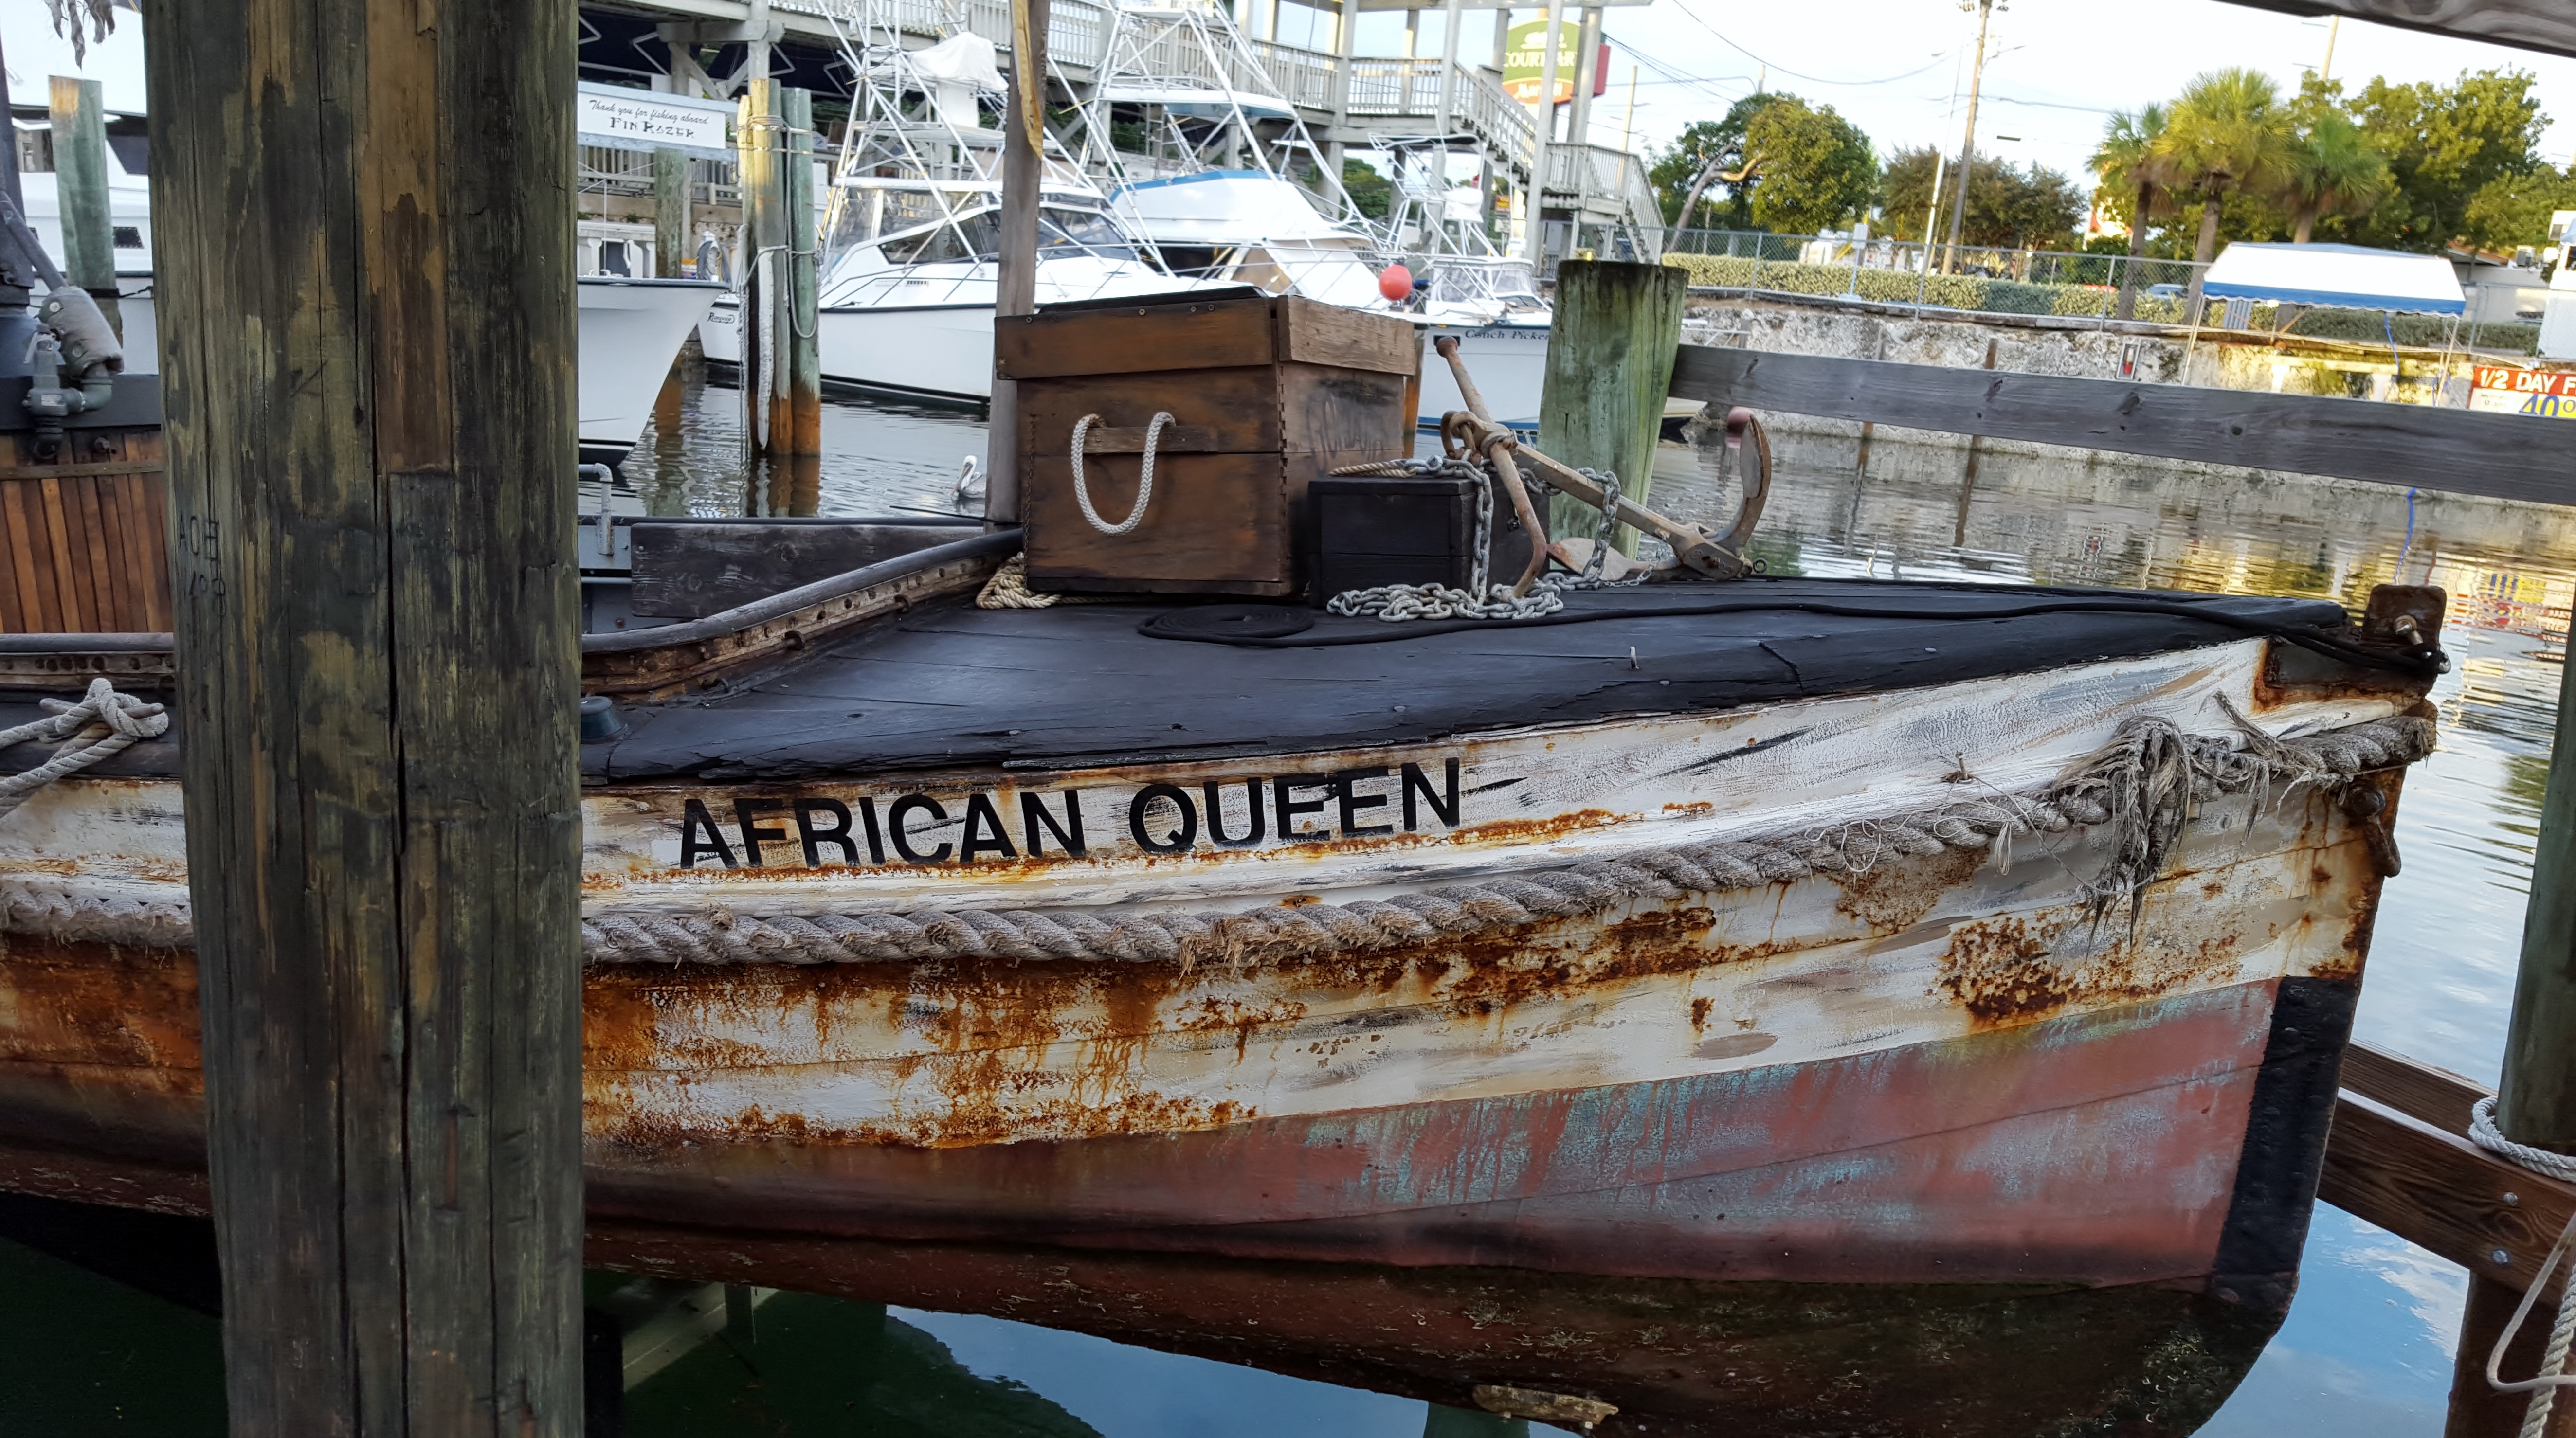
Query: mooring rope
[(103, 722), (2108, 787), (2553, 1374)]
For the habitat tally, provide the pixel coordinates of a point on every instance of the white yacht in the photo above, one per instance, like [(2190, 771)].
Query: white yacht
[(906, 307), (1252, 227)]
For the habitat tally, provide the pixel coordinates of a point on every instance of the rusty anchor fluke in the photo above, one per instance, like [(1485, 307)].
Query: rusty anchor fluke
[(1717, 556)]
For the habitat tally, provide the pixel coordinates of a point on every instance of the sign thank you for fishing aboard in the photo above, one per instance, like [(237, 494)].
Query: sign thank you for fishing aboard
[(620, 118), (1147, 818)]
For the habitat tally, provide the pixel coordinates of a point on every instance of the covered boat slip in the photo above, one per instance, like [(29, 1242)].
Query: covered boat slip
[(1731, 973)]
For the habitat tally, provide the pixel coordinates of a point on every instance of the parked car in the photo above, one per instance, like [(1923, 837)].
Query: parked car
[(2165, 292)]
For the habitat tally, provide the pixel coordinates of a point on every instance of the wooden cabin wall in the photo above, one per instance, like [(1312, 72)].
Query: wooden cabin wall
[(84, 545)]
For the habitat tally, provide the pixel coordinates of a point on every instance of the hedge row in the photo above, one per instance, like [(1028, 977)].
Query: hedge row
[(2011, 297)]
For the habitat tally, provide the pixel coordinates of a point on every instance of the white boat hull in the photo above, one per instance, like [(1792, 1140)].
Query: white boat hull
[(631, 331), (1508, 362)]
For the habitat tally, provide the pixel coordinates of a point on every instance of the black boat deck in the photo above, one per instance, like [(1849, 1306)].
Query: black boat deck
[(949, 684)]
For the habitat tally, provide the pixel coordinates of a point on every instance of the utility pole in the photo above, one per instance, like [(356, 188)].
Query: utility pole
[(378, 617), (1016, 288), (2334, 26), (1968, 143)]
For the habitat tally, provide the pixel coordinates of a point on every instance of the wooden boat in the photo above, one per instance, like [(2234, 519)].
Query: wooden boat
[(1790, 1002)]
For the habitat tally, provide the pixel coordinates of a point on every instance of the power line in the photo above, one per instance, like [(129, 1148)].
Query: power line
[(1793, 74)]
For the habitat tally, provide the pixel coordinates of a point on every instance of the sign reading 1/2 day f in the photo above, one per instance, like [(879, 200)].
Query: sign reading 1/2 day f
[(2550, 394), (1525, 60), (624, 119)]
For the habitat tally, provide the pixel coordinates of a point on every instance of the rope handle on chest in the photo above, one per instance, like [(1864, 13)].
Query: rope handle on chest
[(1144, 485)]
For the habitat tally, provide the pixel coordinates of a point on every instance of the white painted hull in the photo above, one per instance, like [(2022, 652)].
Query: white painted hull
[(1508, 362), (631, 331)]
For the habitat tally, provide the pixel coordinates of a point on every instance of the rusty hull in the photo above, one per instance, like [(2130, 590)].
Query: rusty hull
[(1826, 1156)]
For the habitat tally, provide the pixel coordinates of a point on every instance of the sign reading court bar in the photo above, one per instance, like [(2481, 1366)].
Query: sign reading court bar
[(627, 119)]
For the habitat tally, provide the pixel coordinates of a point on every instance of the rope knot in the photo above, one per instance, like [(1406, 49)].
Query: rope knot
[(102, 723)]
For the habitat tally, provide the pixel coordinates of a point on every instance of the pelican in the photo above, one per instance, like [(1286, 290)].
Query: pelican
[(970, 480)]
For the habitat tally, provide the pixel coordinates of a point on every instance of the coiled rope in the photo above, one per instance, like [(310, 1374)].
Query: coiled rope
[(103, 722), (1144, 485), (2553, 1374)]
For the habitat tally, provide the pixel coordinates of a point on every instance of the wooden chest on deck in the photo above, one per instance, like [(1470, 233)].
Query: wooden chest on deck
[(1264, 395)]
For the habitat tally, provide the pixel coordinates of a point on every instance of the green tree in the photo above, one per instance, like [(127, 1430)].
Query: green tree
[(1369, 190), (2135, 184), (2444, 144), (2333, 170), (1819, 168), (2228, 133), (2033, 208), (2511, 211), (1815, 171)]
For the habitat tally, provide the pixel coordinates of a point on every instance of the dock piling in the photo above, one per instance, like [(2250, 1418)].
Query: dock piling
[(802, 343), (2536, 1102), (671, 246), (371, 460), (1609, 367), (80, 185), (1016, 291)]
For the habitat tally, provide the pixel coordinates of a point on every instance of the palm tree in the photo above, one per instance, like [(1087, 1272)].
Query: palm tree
[(2127, 163), (2228, 133), (2334, 170)]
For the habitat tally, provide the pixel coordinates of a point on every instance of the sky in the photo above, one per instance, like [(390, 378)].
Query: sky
[(1895, 68), (2056, 68)]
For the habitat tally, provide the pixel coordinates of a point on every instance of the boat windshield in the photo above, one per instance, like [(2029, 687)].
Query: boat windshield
[(1460, 282), (1062, 233), (1075, 232)]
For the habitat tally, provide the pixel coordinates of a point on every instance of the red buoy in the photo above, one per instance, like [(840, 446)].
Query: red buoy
[(1396, 283)]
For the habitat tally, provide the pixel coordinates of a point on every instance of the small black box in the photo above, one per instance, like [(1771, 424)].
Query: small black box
[(1367, 530)]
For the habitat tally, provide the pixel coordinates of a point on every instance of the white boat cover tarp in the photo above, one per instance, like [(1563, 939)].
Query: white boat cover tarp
[(956, 68), (2353, 276), (1225, 207)]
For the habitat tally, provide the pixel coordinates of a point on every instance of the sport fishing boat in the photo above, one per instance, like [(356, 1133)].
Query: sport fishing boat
[(910, 240), (907, 306), (1706, 1004)]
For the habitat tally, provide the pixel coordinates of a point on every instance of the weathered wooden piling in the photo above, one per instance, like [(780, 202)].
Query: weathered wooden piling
[(1609, 368), (764, 234), (80, 185), (782, 374), (801, 384), (1023, 168), (367, 330), (672, 247), (2536, 1102)]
